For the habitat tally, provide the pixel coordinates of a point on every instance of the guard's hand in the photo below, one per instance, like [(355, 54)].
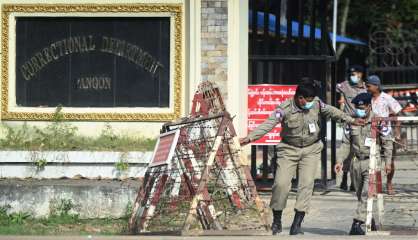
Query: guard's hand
[(359, 122), (338, 167), (388, 168), (244, 141)]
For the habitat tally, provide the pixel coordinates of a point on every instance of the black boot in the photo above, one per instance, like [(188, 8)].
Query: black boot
[(352, 188), (373, 227), (297, 222), (356, 228), (343, 184), (276, 226)]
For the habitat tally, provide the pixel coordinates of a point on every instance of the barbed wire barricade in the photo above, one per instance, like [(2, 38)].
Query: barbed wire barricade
[(393, 48), (205, 187), (405, 145)]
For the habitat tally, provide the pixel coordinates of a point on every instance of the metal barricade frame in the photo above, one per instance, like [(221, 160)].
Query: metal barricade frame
[(375, 173)]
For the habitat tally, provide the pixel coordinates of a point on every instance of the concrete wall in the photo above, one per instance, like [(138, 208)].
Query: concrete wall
[(214, 27), (224, 53), (72, 164), (215, 48), (91, 198)]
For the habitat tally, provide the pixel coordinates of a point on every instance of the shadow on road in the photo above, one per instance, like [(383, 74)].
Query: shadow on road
[(324, 231)]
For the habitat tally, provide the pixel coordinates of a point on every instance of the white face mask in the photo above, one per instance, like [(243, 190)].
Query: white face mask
[(354, 79)]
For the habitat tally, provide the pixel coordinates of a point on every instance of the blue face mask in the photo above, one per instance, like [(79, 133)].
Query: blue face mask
[(354, 79), (308, 105), (360, 112)]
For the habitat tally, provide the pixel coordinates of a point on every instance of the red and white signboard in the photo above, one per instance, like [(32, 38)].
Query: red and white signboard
[(262, 100), (164, 149)]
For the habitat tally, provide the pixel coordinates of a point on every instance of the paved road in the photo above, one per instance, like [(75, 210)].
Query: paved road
[(331, 213), (200, 238), (330, 218)]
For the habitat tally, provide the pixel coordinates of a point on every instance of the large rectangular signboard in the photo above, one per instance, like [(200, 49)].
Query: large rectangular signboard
[(262, 100)]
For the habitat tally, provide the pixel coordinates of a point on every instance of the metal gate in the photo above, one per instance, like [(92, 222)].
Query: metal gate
[(284, 46)]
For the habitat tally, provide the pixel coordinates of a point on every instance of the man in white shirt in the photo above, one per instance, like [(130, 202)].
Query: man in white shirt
[(384, 105)]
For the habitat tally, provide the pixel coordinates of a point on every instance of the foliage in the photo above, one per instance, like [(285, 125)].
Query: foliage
[(391, 16), (40, 163), (396, 18), (22, 223), (59, 222), (4, 212), (18, 137), (60, 135), (12, 218), (61, 207), (122, 165), (19, 217), (128, 210)]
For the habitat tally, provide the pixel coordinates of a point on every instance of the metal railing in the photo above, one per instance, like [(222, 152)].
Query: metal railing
[(277, 57), (403, 132)]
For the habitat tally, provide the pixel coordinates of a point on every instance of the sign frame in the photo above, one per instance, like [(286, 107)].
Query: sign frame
[(9, 108), (267, 90), (170, 154)]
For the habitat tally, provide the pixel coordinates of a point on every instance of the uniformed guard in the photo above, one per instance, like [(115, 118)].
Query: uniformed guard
[(299, 149), (360, 138), (348, 89)]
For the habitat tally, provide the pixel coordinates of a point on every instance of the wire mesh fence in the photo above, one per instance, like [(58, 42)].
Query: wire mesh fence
[(401, 135), (407, 144), (204, 185)]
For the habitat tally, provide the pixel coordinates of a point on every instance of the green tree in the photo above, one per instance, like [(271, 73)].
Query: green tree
[(358, 18)]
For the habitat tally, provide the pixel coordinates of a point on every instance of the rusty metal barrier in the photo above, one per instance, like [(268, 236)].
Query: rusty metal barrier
[(205, 187), (406, 145)]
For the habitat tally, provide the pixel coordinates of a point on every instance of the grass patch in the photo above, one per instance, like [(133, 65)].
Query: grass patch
[(61, 222), (65, 225), (62, 136)]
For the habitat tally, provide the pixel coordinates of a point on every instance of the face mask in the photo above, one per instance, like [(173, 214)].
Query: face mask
[(354, 79), (308, 105), (360, 112)]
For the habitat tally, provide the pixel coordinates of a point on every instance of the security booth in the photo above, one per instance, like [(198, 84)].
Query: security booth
[(289, 40)]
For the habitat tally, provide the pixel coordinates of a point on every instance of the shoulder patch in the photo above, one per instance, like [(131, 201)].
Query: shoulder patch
[(279, 113), (321, 103)]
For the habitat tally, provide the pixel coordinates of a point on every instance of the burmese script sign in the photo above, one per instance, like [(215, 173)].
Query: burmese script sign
[(262, 101), (93, 61)]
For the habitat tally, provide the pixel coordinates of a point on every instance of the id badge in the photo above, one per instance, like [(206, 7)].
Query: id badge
[(368, 142), (312, 128)]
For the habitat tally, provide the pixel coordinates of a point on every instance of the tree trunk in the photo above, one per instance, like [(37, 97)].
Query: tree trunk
[(343, 25)]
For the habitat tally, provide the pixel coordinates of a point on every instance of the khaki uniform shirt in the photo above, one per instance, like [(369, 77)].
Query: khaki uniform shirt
[(360, 137), (349, 92), (300, 128)]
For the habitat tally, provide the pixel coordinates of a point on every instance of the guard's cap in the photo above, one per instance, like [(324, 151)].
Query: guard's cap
[(356, 68), (362, 99)]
